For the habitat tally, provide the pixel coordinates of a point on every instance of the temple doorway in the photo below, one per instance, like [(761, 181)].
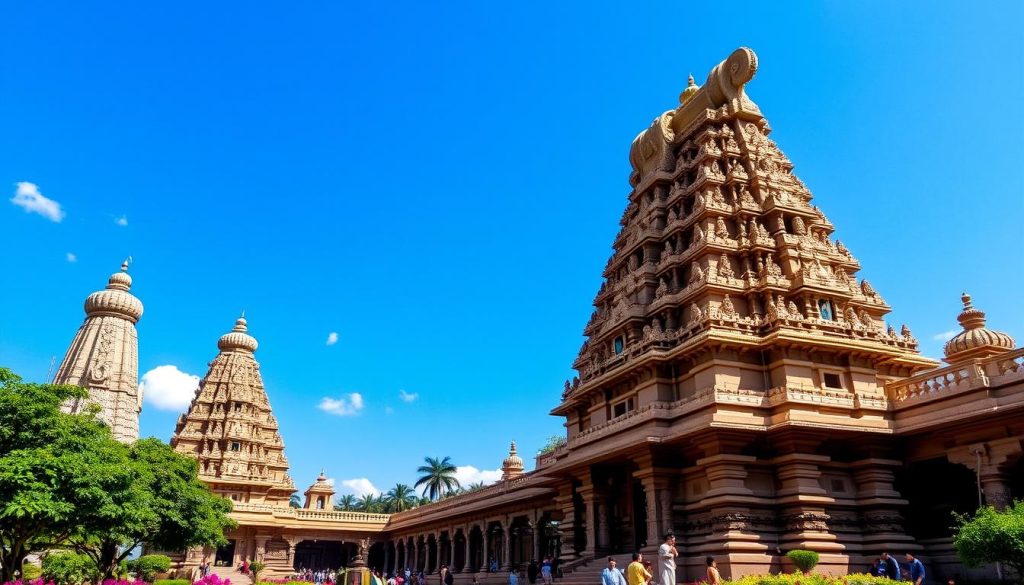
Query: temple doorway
[(322, 554), (936, 489), (225, 556)]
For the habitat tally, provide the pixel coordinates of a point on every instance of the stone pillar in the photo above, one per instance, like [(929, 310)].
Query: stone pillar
[(506, 545), (879, 505), (567, 526), (416, 553), (805, 520), (657, 484), (261, 547), (291, 552), (586, 491), (437, 552), (466, 568)]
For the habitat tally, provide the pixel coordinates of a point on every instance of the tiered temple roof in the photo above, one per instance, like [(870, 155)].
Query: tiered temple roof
[(720, 246), (231, 430)]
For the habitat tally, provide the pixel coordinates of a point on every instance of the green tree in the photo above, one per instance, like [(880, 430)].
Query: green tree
[(438, 477), (473, 487), (401, 497), (54, 467), (146, 567), (992, 536), (295, 501), (157, 499), (345, 503)]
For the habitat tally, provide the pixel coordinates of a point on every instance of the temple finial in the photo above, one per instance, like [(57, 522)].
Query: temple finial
[(124, 265)]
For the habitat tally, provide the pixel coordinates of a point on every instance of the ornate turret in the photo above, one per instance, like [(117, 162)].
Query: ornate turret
[(230, 429), (688, 93), (512, 467), (975, 341), (104, 357), (320, 495)]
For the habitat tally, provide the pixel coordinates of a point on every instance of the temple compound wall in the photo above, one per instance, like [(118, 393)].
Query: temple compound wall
[(738, 385)]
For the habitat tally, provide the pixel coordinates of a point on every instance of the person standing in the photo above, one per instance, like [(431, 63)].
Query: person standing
[(916, 569), (547, 570), (197, 573), (636, 574), (447, 578), (513, 578), (891, 568), (713, 577), (611, 575), (667, 554), (532, 571)]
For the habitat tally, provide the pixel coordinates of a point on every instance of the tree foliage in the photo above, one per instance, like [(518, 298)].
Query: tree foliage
[(553, 442), (345, 503), (438, 477), (400, 498), (64, 481), (805, 560), (992, 536)]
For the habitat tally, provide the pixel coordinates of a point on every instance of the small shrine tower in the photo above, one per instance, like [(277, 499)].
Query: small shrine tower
[(320, 495), (104, 357)]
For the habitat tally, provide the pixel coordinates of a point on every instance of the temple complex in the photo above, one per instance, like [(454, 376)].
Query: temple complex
[(104, 357), (738, 385)]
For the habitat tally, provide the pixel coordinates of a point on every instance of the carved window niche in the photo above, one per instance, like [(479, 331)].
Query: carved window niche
[(832, 380), (622, 407), (826, 310), (618, 344), (236, 446)]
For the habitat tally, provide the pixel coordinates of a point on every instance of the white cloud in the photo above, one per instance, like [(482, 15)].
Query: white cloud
[(408, 396), (332, 338), (467, 474), (359, 486), (349, 405), (71, 257), (168, 388), (122, 221), (28, 197), (945, 335)]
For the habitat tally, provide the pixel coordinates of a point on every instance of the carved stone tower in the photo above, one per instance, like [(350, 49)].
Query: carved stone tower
[(104, 357), (231, 430), (320, 495)]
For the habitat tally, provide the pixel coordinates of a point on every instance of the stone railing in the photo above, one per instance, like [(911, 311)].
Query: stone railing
[(304, 514), (957, 378)]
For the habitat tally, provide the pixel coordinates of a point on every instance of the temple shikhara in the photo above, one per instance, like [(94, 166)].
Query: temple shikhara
[(738, 385)]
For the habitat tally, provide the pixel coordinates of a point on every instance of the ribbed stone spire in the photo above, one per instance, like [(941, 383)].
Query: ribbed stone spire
[(976, 340), (512, 467), (104, 357), (231, 430)]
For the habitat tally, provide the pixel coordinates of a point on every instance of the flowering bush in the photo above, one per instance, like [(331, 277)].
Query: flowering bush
[(211, 579), (123, 582), (798, 579), (38, 581)]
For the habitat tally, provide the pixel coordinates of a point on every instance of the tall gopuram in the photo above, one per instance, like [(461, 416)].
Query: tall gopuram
[(231, 431), (104, 357), (739, 385)]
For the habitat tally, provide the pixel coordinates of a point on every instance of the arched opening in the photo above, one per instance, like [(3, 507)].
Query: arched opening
[(421, 554), (548, 537), (445, 542), (225, 556), (476, 548), (459, 554), (431, 564), (400, 562), (929, 514), (495, 547), (1015, 478), (520, 541), (375, 556), (319, 555), (390, 557)]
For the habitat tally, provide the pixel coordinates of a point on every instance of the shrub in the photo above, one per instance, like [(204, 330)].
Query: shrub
[(992, 536), (38, 581), (172, 582), (147, 566), (805, 560), (30, 571), (69, 568), (212, 579), (255, 568)]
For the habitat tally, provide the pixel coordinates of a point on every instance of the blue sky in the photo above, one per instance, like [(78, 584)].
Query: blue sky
[(440, 186)]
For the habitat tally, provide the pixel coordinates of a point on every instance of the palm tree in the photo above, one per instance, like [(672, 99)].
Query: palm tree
[(295, 501), (476, 486), (345, 503), (366, 503), (438, 477), (401, 497)]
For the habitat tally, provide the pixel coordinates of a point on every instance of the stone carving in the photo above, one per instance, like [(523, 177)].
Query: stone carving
[(725, 267)]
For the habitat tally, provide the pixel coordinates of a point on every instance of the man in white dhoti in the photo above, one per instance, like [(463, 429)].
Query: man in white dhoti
[(667, 554)]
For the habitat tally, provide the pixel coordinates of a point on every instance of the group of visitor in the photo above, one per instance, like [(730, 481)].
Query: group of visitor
[(201, 571), (887, 566), (319, 576)]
